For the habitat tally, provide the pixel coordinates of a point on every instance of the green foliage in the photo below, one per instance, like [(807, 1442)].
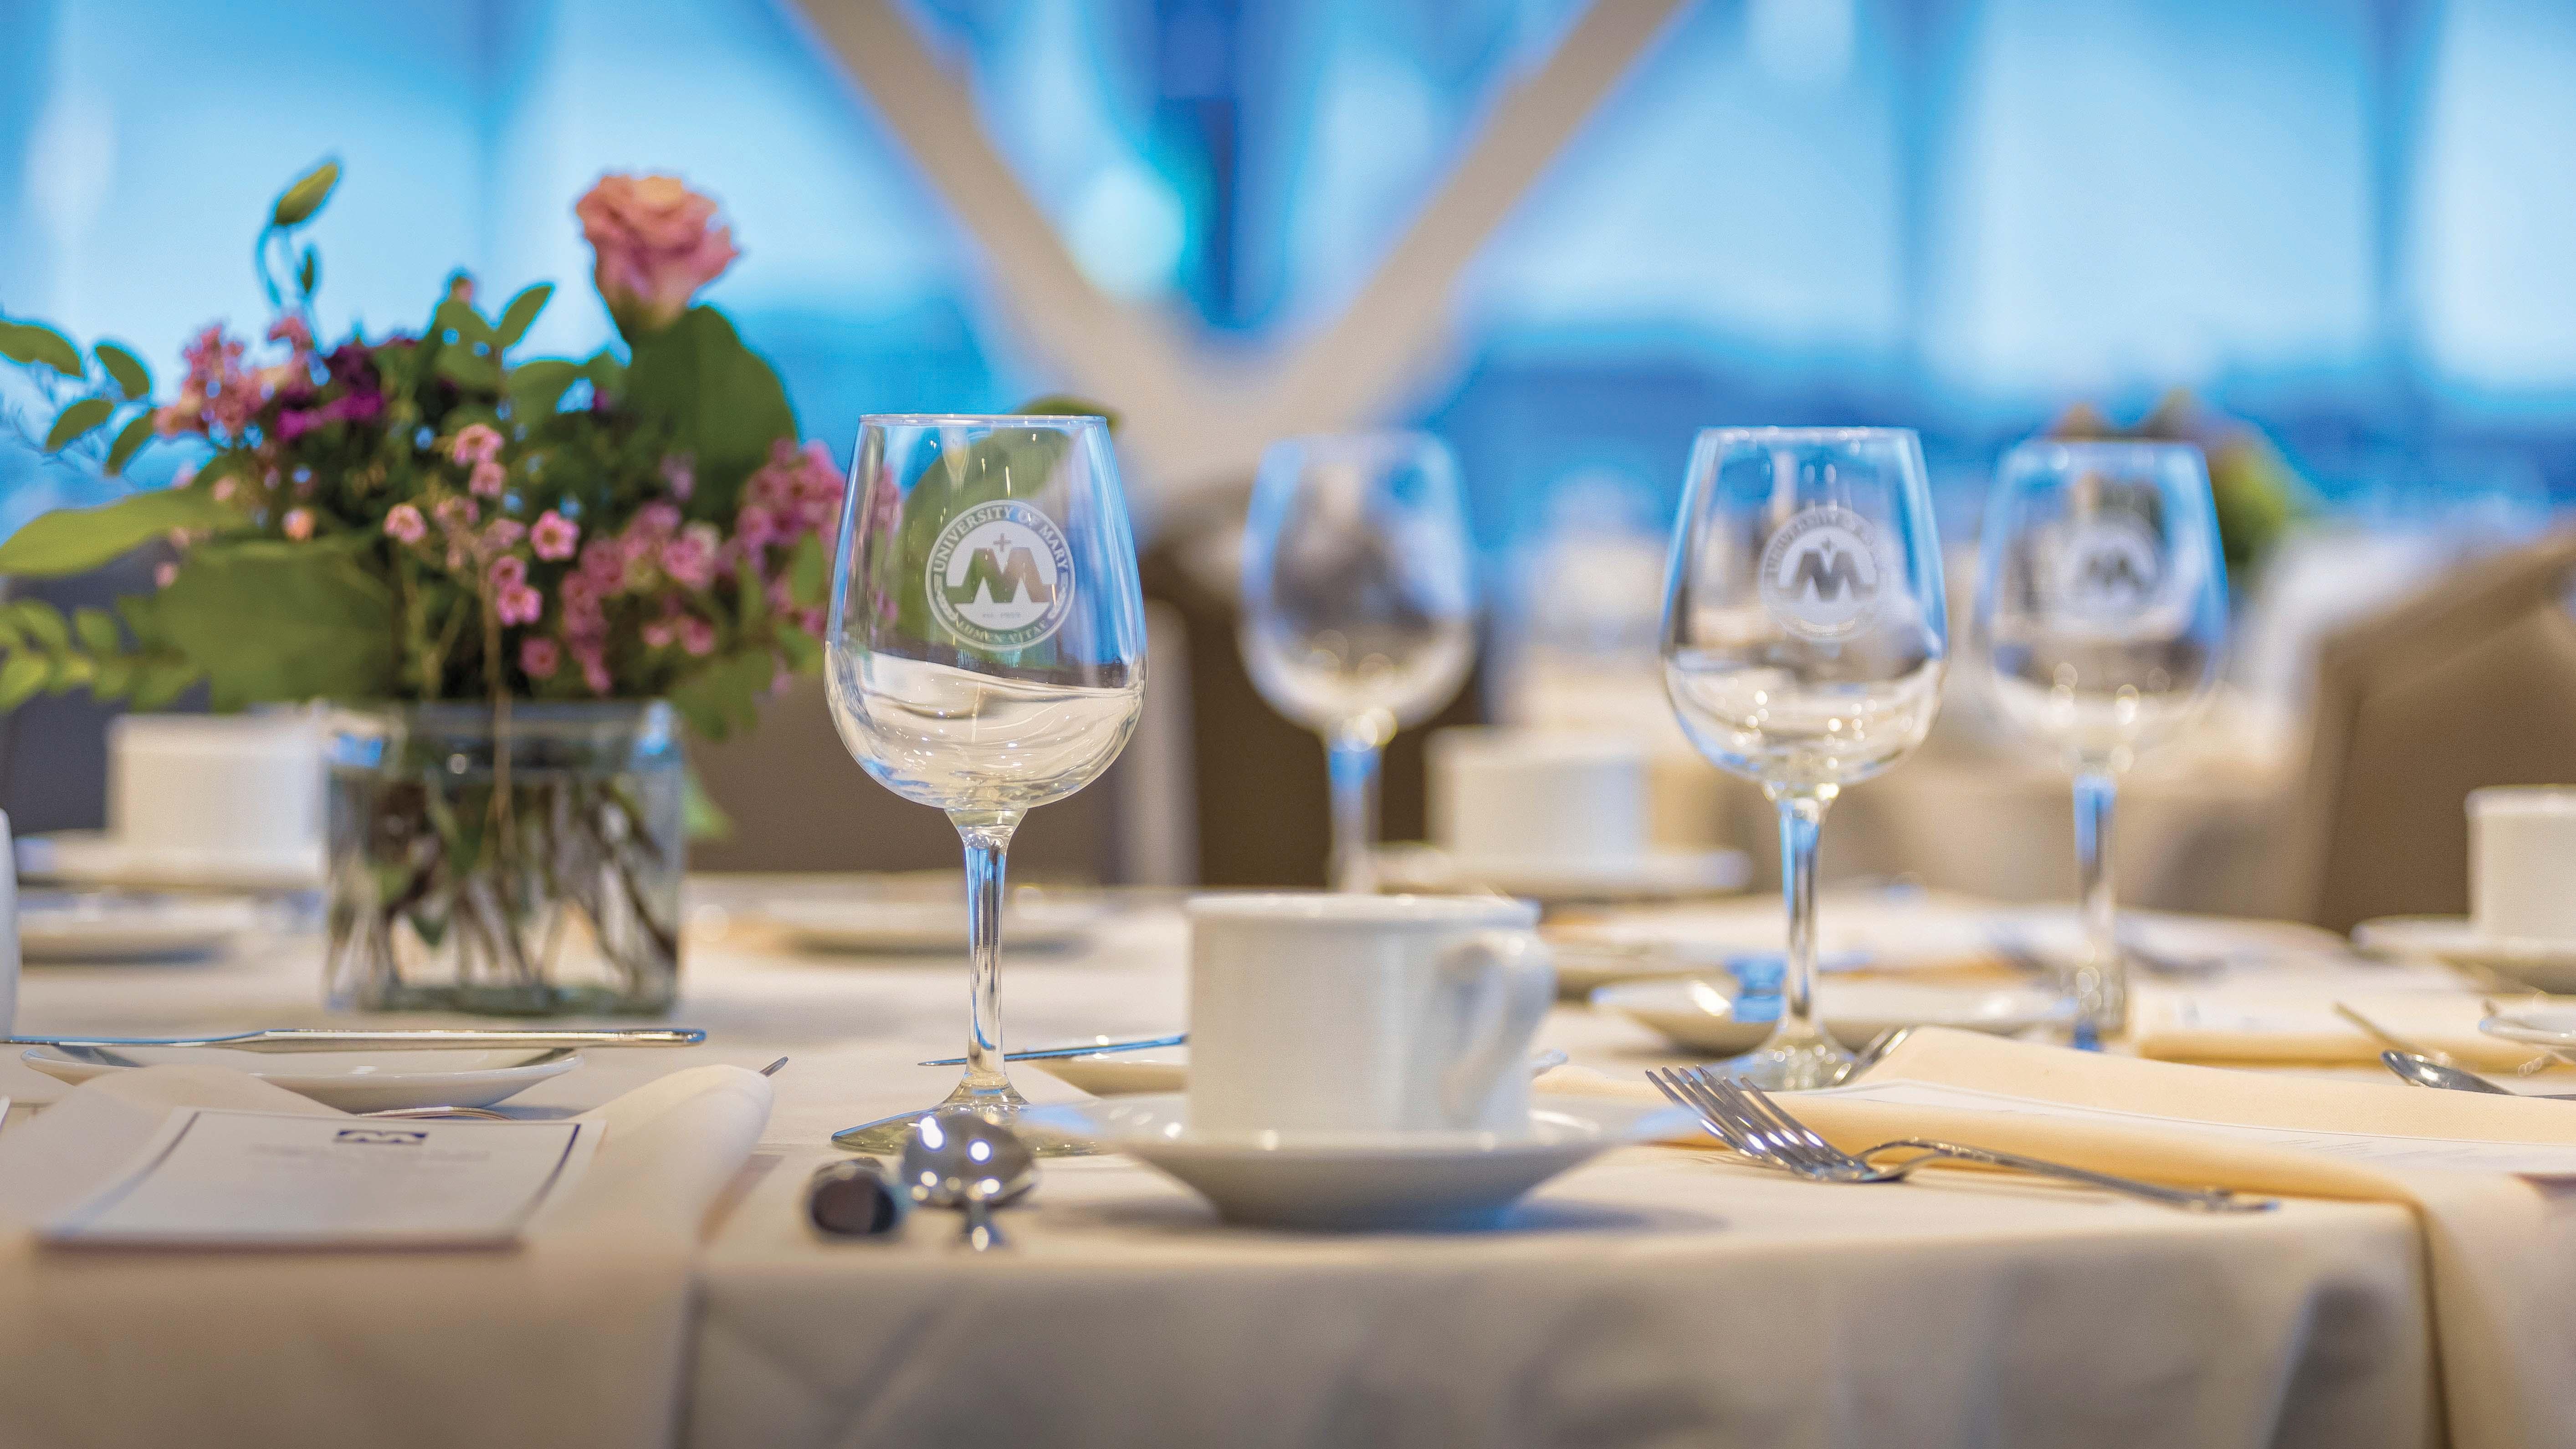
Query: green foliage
[(41, 652), (131, 376), (33, 344), (521, 314), (271, 620), (300, 201), (724, 404), (725, 695), (136, 433), (76, 540), (78, 421)]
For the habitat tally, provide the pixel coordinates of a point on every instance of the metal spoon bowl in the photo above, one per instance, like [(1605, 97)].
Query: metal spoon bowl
[(958, 1158)]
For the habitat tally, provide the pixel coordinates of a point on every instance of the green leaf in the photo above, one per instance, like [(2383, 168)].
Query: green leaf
[(132, 377), (466, 368), (809, 572), (36, 344), (115, 676), (521, 314), (607, 373), (76, 540), (536, 388), (157, 684), (21, 677), (306, 196), (96, 629), (308, 272), (77, 421), (461, 319), (1067, 405), (723, 404), (701, 818), (268, 620), (725, 695), (137, 432), (70, 672), (43, 625)]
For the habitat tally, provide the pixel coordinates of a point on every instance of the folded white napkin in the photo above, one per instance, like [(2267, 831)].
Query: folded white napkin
[(575, 1339)]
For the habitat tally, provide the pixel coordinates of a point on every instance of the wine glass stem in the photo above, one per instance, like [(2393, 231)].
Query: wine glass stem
[(988, 843), (1802, 816), (1353, 753), (2101, 984)]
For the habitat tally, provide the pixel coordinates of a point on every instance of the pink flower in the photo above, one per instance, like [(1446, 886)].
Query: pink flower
[(603, 565), (404, 524), (661, 518), (698, 637), (509, 572), (164, 574), (225, 487), (292, 330), (299, 524), (690, 559), (519, 604), (503, 534), (659, 634), (812, 621), (683, 478), (755, 526), (555, 536), (488, 479), (540, 658), (475, 443), (594, 669), (457, 512), (656, 245)]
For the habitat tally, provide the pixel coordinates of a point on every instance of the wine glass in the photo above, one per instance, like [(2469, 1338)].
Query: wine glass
[(2101, 611), (1359, 606), (1804, 642), (987, 656)]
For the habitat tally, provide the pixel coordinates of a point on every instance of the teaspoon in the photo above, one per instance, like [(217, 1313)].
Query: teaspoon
[(955, 1158)]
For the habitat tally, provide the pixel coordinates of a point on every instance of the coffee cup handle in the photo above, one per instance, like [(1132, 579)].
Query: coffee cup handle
[(1501, 985)]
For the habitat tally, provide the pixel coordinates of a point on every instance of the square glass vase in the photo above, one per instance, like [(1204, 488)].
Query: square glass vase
[(506, 861)]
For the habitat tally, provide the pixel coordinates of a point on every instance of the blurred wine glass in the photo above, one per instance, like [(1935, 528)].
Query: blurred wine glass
[(1804, 642), (2101, 613), (1359, 606), (987, 656)]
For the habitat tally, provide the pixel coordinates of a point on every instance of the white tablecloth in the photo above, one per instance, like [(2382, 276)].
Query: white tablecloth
[(1655, 1297)]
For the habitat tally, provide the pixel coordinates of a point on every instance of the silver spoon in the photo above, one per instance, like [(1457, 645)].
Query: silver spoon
[(955, 1158), (2425, 1072)]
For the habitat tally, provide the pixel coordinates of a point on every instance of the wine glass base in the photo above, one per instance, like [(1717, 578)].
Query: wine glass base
[(1795, 1066), (886, 1136)]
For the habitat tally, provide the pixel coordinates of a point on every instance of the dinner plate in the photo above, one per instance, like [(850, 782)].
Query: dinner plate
[(2545, 1026), (2541, 965), (1700, 1016), (65, 926), (1347, 1181), (350, 1081), (92, 857), (1657, 875), (1165, 1069), (914, 928), (1599, 957)]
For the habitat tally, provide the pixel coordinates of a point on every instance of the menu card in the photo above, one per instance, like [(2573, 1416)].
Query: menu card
[(2521, 1159), (219, 1178)]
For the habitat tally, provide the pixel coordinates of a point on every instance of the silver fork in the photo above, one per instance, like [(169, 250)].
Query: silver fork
[(1746, 1119)]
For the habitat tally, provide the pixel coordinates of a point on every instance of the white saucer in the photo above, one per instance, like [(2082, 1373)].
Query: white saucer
[(1340, 1181), (350, 1081), (66, 927), (1700, 1016), (91, 857), (1654, 876), (914, 928), (2541, 965), (1165, 1069), (1585, 964), (2547, 1026)]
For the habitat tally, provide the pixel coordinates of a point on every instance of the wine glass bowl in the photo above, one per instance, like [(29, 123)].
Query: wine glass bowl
[(986, 656)]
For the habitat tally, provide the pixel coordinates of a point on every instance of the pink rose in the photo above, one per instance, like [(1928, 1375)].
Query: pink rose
[(540, 658), (656, 244), (554, 536), (403, 524), (519, 604)]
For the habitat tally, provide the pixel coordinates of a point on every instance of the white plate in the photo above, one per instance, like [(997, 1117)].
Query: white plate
[(90, 857), (1658, 875), (1345, 1181), (1700, 1016), (1598, 958), (57, 926), (913, 928), (2541, 965), (2548, 1026), (1164, 1069), (350, 1081)]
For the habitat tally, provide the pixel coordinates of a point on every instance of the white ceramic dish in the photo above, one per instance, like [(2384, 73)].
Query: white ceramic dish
[(1585, 964), (1343, 1182), (915, 928), (90, 857), (1165, 1069), (350, 1081), (1699, 1016), (2544, 1026), (1657, 875), (61, 927), (2541, 965)]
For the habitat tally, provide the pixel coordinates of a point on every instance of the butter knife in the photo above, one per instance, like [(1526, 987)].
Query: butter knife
[(1096, 1047), (336, 1039)]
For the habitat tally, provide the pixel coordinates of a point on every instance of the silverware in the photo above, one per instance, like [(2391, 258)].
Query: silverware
[(852, 1199), (480, 1114), (1868, 1056), (772, 1069), (1747, 1119), (335, 1039), (2392, 1040), (2425, 1072), (957, 1158), (1095, 1047)]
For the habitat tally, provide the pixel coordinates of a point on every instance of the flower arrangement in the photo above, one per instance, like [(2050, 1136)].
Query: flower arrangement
[(423, 517)]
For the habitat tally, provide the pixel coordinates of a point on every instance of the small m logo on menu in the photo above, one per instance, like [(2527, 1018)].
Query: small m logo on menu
[(380, 1136)]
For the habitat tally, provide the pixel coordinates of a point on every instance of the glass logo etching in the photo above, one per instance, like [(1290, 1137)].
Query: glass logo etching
[(2107, 571), (1824, 573), (1001, 576)]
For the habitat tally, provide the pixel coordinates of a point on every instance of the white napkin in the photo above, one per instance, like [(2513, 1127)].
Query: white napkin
[(574, 1340)]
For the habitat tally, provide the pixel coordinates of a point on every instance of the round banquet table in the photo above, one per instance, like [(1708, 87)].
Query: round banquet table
[(1656, 1296)]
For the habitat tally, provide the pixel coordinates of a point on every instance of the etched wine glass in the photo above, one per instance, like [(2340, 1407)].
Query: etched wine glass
[(986, 656), (1804, 642), (1359, 606), (2101, 614)]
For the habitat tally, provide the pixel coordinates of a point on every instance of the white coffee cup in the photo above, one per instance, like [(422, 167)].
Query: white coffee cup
[(1344, 1013), (2522, 862), (233, 788), (1500, 793)]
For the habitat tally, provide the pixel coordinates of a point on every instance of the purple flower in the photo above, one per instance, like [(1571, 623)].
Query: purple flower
[(509, 572), (404, 524), (698, 637), (519, 604), (488, 477), (540, 658), (555, 536)]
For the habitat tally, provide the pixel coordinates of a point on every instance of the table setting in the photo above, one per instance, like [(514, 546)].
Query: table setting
[(1535, 1134)]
